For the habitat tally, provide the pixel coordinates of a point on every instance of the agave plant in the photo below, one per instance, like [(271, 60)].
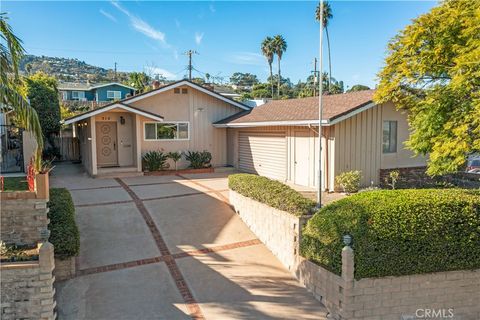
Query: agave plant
[(198, 159), (154, 160)]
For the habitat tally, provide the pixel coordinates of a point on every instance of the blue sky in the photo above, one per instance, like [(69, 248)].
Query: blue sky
[(227, 34)]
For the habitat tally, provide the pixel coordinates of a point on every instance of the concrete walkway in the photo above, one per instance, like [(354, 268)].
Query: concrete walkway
[(170, 247)]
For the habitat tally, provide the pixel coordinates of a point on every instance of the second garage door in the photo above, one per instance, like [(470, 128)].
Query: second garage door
[(263, 153)]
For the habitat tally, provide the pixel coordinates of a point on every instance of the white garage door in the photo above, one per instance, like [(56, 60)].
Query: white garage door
[(263, 153)]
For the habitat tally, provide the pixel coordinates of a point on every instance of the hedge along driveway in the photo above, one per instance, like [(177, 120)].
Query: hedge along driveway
[(398, 232)]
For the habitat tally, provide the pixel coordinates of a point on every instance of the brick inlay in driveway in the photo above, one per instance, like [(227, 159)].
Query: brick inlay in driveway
[(193, 308)]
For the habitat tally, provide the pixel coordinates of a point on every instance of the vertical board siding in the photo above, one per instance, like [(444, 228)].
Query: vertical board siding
[(357, 145), (201, 110)]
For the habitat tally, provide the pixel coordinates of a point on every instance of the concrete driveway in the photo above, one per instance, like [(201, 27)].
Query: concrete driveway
[(170, 247)]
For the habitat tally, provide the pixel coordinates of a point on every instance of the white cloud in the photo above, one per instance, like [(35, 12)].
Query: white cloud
[(199, 37), (212, 8), (247, 58), (108, 15), (142, 26), (161, 72)]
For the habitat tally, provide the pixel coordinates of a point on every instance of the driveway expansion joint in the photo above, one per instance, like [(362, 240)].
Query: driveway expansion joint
[(192, 305)]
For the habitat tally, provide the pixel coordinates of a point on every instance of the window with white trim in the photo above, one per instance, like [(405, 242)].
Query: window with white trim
[(78, 95), (389, 136), (115, 95), (167, 130)]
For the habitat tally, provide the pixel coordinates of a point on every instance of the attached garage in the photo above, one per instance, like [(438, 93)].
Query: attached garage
[(263, 153)]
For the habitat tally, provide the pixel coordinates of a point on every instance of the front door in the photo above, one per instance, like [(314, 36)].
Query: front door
[(302, 158), (106, 136)]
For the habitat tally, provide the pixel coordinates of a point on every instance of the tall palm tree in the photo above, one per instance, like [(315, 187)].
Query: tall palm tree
[(280, 46), (11, 51), (268, 52), (327, 15)]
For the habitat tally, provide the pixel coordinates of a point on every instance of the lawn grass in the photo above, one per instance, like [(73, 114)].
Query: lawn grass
[(15, 184)]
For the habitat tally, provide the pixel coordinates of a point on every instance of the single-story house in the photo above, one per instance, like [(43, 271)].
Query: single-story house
[(100, 92), (280, 139), (174, 117), (277, 139)]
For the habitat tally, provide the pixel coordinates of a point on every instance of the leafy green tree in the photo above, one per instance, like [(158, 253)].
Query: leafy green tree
[(268, 51), (280, 46), (358, 87), (327, 16), (243, 79), (42, 92), (261, 91), (140, 81), (433, 71), (11, 98), (199, 81)]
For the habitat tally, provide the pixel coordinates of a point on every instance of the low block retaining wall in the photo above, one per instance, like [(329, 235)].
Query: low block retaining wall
[(64, 268), (452, 295), (22, 219), (27, 287), (277, 229)]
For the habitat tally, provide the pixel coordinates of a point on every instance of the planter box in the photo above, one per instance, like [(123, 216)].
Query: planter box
[(42, 186), (181, 171)]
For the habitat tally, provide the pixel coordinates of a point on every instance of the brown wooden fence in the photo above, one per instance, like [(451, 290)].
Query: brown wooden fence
[(69, 148)]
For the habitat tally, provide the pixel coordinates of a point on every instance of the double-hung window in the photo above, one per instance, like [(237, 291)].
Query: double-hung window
[(167, 131), (115, 95), (389, 136)]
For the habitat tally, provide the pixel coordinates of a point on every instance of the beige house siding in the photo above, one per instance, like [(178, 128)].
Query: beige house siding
[(403, 158), (358, 144), (201, 111)]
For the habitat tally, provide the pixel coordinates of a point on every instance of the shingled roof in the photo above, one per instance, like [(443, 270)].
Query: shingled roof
[(302, 109)]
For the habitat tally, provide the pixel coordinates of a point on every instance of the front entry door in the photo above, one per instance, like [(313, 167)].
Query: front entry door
[(302, 158), (106, 136)]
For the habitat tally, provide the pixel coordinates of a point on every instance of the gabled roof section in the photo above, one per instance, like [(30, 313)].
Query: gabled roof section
[(109, 107), (83, 86), (192, 85), (111, 84), (303, 111)]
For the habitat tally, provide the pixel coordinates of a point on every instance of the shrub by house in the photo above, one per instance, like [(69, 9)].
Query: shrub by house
[(398, 232), (270, 192)]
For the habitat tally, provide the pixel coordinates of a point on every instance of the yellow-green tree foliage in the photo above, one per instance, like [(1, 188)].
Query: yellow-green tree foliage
[(433, 71)]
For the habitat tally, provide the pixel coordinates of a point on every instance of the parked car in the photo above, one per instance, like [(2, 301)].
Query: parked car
[(473, 164)]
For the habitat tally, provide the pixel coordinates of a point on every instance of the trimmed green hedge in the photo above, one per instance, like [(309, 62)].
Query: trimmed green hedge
[(64, 231), (271, 192), (398, 232)]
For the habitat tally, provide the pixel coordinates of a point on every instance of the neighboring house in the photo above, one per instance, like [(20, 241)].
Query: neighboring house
[(102, 92), (176, 117), (277, 139), (280, 139)]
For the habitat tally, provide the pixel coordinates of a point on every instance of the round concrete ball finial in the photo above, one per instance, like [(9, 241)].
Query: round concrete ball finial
[(45, 234), (347, 240)]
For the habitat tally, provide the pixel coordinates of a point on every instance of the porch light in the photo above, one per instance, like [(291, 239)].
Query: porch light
[(122, 120), (347, 240)]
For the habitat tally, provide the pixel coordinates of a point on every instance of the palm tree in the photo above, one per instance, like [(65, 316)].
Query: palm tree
[(327, 15), (268, 52), (11, 51), (280, 46)]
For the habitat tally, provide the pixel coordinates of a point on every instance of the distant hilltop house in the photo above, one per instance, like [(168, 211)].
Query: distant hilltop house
[(101, 92)]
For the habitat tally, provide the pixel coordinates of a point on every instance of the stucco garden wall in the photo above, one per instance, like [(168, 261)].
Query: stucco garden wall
[(453, 294)]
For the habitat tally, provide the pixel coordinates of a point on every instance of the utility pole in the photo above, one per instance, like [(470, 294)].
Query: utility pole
[(189, 53), (314, 76), (115, 70), (320, 110)]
